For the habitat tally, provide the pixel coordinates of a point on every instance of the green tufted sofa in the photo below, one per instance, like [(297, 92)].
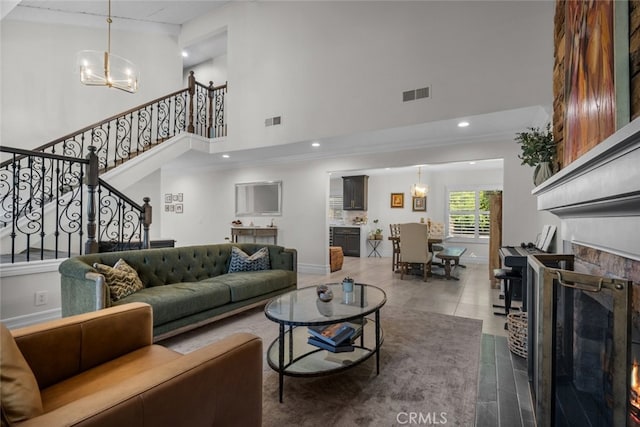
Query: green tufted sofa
[(186, 286)]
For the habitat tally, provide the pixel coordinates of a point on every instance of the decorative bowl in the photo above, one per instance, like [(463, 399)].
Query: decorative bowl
[(324, 293)]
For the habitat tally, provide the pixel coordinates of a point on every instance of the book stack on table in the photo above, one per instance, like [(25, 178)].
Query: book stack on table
[(336, 338)]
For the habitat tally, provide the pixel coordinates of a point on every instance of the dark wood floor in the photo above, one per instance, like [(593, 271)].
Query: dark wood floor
[(504, 399)]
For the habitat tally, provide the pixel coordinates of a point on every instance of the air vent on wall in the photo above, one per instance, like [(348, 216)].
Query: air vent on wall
[(273, 121), (411, 95), (423, 92)]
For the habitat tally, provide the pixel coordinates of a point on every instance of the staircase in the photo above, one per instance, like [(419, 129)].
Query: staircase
[(53, 203)]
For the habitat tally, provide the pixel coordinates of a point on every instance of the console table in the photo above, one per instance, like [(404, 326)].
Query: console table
[(254, 232)]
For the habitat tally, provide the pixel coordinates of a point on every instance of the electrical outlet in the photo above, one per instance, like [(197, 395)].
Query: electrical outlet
[(41, 298)]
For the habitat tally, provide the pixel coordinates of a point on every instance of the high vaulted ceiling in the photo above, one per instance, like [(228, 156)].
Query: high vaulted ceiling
[(167, 16), (156, 16), (153, 15)]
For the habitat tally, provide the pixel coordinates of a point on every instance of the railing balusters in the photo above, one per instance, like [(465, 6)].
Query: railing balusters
[(14, 207), (91, 246), (58, 190), (51, 176), (43, 176), (192, 91)]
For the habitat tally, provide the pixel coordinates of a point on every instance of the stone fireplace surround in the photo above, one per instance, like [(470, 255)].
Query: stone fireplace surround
[(597, 197)]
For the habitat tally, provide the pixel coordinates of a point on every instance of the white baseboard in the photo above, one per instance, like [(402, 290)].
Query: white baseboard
[(313, 268), (33, 318)]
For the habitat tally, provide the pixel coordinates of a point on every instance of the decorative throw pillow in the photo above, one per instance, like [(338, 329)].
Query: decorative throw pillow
[(240, 261), (122, 279), (19, 390)]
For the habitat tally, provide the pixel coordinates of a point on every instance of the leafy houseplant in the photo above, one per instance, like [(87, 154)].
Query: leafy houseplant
[(538, 150), (377, 234)]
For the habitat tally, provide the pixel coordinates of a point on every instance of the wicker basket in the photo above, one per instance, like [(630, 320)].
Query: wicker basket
[(517, 338)]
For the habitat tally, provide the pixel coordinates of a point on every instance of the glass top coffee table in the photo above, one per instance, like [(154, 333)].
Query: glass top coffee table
[(291, 355)]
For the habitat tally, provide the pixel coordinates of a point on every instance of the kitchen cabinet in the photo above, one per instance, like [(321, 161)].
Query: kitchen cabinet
[(355, 192), (348, 238)]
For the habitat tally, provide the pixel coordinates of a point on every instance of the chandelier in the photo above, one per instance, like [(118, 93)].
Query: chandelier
[(99, 68), (419, 189)]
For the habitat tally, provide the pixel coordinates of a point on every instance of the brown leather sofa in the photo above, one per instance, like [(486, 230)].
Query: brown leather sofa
[(102, 369)]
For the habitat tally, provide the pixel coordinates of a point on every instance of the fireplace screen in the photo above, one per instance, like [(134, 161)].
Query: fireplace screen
[(583, 367), (582, 371)]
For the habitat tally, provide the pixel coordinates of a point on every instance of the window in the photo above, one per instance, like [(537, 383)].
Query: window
[(468, 214), (336, 213)]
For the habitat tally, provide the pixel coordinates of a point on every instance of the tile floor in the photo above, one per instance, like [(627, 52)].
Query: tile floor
[(471, 296), (503, 390)]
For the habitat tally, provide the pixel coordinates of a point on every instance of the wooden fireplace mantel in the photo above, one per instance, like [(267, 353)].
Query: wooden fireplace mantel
[(598, 195)]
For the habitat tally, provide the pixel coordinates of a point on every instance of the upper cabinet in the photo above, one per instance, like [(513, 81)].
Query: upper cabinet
[(355, 189)]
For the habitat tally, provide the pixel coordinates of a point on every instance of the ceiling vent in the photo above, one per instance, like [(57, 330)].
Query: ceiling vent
[(412, 95), (273, 121)]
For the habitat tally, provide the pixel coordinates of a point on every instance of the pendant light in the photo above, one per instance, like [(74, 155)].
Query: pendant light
[(419, 189), (99, 68)]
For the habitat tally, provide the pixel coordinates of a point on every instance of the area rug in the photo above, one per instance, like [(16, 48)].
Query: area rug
[(429, 366)]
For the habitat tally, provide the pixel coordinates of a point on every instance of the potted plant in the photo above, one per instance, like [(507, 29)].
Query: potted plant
[(538, 150), (377, 233)]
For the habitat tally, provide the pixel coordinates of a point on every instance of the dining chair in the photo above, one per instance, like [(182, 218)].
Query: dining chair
[(394, 236), (414, 243)]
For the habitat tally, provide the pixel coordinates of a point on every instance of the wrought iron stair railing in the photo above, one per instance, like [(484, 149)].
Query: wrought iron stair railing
[(44, 210), (44, 183), (197, 109)]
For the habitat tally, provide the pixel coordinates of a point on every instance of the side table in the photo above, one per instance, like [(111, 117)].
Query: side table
[(373, 244)]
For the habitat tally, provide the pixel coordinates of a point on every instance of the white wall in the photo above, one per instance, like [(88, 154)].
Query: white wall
[(213, 70), (209, 197), (336, 68), (42, 97), (18, 286), (150, 186), (209, 208)]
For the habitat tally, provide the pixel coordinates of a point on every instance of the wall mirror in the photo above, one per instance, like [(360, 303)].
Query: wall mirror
[(259, 198)]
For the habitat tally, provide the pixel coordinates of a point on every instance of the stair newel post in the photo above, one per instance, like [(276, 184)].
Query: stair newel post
[(211, 93), (146, 222), (91, 245), (192, 92)]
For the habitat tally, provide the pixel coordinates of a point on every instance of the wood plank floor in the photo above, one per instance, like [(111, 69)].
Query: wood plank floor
[(503, 391)]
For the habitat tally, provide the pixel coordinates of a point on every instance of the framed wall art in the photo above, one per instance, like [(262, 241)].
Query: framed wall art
[(397, 200), (419, 204)]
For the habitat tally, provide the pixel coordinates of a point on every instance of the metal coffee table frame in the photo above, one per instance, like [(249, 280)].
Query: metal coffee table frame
[(291, 355)]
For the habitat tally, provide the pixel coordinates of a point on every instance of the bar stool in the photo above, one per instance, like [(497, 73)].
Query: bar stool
[(509, 278)]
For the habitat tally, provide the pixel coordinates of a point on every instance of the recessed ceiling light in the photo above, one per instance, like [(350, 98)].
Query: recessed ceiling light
[(185, 54), (463, 124), (472, 163), (225, 156), (315, 144)]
